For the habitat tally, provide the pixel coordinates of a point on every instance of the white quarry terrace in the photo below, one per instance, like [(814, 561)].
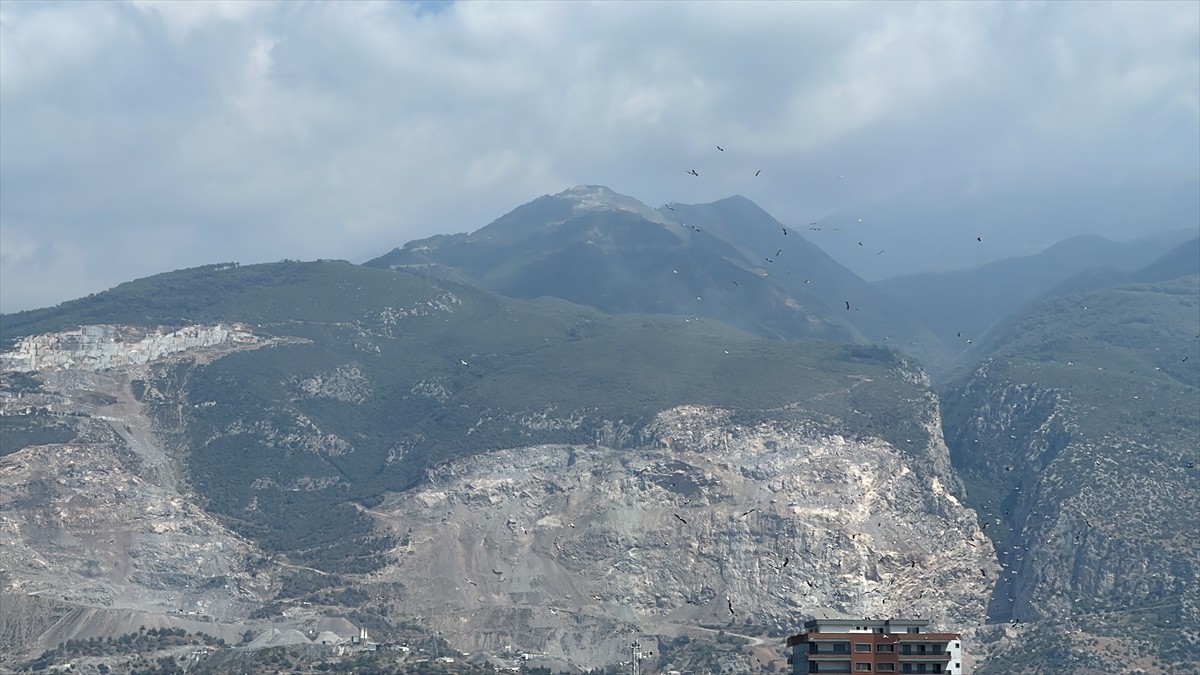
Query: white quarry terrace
[(103, 347)]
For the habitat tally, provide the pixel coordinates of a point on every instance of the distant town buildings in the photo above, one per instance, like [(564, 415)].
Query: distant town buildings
[(872, 646)]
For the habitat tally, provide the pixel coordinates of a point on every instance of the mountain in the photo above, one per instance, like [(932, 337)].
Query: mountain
[(729, 261), (257, 448), (1181, 260), (532, 442), (964, 304), (1076, 435)]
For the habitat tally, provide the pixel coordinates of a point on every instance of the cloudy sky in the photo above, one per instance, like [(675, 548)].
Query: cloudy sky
[(138, 137)]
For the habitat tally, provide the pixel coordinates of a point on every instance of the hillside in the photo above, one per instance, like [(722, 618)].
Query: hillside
[(315, 429), (963, 305), (1077, 437)]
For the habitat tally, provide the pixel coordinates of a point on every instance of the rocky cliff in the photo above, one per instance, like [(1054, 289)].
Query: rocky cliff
[(1089, 492), (718, 521)]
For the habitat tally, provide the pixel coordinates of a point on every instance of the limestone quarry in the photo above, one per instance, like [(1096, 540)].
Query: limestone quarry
[(716, 523)]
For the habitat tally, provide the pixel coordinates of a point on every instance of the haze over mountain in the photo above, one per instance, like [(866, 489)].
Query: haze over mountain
[(962, 305), (181, 133), (728, 260)]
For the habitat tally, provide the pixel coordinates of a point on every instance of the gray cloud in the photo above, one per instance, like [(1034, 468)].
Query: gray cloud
[(141, 137)]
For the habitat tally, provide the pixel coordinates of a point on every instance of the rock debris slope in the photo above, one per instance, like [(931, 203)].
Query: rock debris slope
[(568, 550)]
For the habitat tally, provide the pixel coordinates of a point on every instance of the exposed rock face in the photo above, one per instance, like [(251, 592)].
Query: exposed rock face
[(1092, 508), (107, 521), (721, 521), (707, 520), (77, 522)]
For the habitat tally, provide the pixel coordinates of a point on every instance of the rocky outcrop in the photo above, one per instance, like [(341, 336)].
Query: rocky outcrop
[(720, 521), (1090, 502)]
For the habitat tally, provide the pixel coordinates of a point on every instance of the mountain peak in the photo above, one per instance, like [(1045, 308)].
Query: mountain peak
[(603, 198)]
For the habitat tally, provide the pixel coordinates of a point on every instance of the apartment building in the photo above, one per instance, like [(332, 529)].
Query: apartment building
[(873, 646)]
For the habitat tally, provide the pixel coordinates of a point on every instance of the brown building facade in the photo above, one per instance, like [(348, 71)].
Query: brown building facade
[(870, 646)]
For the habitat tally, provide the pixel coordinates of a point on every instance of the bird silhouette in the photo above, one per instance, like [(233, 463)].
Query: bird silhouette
[(680, 519), (847, 304), (720, 148), (758, 172), (693, 172)]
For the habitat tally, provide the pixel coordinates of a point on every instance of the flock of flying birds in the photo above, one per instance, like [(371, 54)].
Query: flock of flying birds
[(814, 226)]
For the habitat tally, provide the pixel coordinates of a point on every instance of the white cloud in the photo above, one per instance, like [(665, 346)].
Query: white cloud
[(256, 131), (181, 19)]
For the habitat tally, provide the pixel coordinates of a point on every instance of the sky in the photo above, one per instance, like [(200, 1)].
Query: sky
[(140, 137)]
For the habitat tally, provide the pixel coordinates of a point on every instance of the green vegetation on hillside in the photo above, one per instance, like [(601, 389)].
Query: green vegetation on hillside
[(389, 374), (1077, 440)]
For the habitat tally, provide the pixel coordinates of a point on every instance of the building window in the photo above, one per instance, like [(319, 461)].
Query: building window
[(862, 647), (906, 668), (885, 648), (921, 649), (862, 667), (920, 667), (937, 667), (885, 667), (914, 629)]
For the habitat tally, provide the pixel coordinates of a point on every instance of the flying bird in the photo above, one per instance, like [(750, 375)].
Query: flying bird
[(720, 148), (785, 231), (758, 172), (464, 363), (680, 518), (730, 602), (693, 172), (748, 512), (847, 304), (978, 238), (881, 251)]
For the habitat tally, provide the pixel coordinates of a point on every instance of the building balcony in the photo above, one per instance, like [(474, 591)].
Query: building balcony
[(927, 656)]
